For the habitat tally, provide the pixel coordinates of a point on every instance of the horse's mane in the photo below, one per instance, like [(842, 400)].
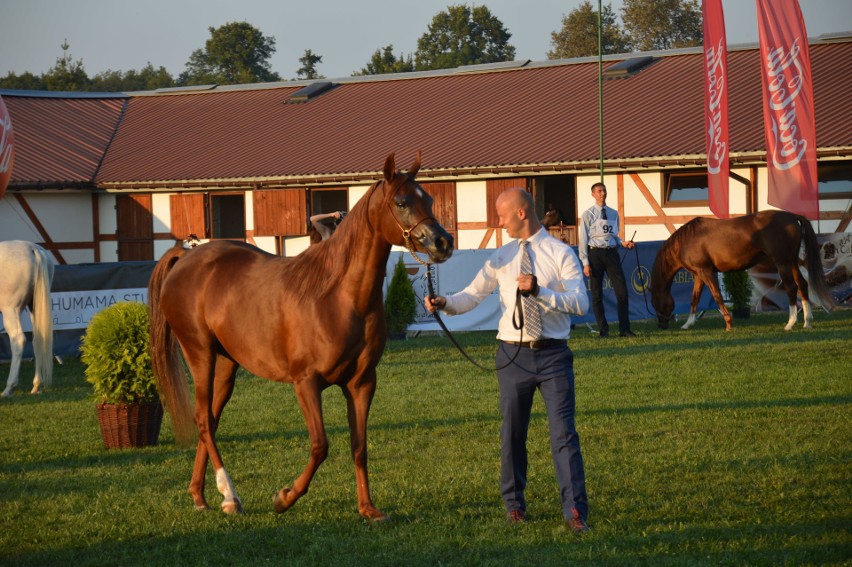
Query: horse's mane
[(669, 251), (318, 270)]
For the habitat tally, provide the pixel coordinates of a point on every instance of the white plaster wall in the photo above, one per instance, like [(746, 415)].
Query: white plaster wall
[(106, 214), (266, 243), (248, 199), (470, 239), (355, 194), (14, 224), (471, 201), (161, 210)]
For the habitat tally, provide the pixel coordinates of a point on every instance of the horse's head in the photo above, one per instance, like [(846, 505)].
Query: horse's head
[(661, 295), (663, 303), (409, 221)]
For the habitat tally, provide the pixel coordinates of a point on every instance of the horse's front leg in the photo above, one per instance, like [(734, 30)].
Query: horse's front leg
[(359, 396), (712, 283), (697, 287), (309, 395)]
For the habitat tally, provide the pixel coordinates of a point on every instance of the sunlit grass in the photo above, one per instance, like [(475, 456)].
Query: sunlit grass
[(701, 447)]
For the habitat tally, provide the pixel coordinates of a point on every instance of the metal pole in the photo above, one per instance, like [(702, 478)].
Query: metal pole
[(600, 87)]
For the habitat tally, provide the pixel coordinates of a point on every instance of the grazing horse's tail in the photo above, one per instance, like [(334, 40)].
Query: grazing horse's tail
[(42, 317), (165, 356), (816, 275)]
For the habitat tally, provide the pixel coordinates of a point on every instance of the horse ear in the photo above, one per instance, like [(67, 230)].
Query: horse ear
[(390, 168), (412, 171)]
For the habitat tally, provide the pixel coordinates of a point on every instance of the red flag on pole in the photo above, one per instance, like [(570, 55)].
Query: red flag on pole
[(788, 108), (7, 139), (716, 106)]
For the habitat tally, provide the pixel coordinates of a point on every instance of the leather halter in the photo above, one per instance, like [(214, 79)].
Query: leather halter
[(406, 232)]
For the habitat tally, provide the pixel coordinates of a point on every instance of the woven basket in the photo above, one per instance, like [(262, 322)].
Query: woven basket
[(130, 425)]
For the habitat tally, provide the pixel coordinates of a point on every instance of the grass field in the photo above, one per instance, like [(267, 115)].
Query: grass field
[(701, 447)]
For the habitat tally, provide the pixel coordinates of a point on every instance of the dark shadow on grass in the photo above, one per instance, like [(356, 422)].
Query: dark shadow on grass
[(732, 405)]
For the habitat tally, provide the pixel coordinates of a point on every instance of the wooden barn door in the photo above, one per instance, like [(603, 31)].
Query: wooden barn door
[(135, 227)]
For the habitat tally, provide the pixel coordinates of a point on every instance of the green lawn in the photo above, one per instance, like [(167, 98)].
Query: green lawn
[(701, 447)]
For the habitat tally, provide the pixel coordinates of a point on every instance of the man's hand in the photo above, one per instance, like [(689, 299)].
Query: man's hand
[(433, 302), (587, 271), (527, 284)]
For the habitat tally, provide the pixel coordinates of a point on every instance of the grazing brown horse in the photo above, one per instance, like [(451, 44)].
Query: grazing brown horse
[(229, 304), (705, 246)]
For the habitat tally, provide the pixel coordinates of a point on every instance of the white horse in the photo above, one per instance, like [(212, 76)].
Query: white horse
[(26, 274)]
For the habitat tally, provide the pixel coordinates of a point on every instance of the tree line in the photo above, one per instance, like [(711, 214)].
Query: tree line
[(239, 53)]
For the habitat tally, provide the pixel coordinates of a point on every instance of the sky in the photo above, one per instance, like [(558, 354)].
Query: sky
[(121, 35)]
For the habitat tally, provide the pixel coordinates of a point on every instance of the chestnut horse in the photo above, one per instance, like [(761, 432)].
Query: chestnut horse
[(26, 274), (229, 304), (705, 246)]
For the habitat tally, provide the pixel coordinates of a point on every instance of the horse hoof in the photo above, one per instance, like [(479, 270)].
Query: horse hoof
[(375, 516), (201, 507), (233, 506), (279, 502)]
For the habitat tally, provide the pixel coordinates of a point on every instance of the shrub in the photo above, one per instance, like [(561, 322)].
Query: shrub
[(115, 350), (738, 286), (400, 303)]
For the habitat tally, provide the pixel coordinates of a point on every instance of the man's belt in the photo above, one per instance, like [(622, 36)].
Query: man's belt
[(539, 344), (602, 247)]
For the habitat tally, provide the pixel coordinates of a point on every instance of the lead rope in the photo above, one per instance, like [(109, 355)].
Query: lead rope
[(518, 323)]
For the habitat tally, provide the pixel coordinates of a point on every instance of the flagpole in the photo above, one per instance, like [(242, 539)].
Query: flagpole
[(600, 88)]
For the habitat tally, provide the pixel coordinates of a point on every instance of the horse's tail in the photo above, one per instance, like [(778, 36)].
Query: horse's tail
[(165, 355), (816, 275), (42, 317)]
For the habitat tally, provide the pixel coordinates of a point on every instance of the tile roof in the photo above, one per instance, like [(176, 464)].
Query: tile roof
[(520, 115), (60, 138)]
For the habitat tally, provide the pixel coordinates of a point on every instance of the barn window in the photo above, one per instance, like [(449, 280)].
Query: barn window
[(329, 200), (228, 216), (685, 189), (835, 180)]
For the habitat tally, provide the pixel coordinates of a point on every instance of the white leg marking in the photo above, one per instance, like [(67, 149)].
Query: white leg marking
[(794, 313), (807, 313), (690, 321), (225, 486)]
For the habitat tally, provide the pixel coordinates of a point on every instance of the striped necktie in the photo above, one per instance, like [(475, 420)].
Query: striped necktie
[(603, 213), (532, 313)]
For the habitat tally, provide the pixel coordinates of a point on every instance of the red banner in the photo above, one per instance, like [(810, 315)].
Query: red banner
[(7, 138), (716, 106), (788, 107)]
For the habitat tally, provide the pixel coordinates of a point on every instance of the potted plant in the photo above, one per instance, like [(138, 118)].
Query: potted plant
[(738, 286), (115, 350), (400, 303)]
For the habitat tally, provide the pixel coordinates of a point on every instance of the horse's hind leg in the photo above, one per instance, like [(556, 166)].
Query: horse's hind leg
[(223, 387), (359, 396), (789, 280), (203, 364), (803, 292), (309, 395), (17, 340)]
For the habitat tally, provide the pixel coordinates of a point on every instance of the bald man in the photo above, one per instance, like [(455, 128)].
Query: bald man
[(547, 288)]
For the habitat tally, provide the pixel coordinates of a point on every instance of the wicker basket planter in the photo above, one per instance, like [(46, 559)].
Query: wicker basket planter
[(130, 425)]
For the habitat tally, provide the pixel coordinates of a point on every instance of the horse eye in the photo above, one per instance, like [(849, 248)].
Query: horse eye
[(401, 205)]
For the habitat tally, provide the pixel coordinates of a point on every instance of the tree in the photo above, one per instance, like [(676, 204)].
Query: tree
[(662, 24), (461, 36), (236, 53), (309, 62), (146, 79), (579, 34), (66, 75), (25, 80), (384, 61)]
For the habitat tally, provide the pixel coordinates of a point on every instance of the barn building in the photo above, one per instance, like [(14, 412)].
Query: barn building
[(104, 177)]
